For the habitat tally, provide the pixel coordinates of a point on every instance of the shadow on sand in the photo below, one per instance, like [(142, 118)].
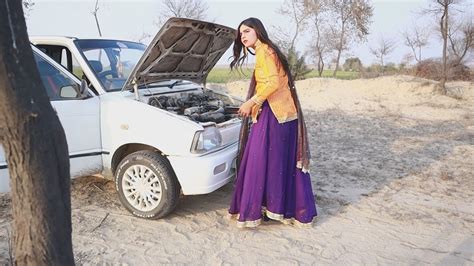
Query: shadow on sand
[(355, 156)]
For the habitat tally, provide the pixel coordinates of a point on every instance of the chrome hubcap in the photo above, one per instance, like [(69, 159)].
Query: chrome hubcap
[(141, 188)]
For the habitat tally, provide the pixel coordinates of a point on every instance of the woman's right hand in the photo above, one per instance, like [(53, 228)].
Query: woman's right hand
[(246, 108)]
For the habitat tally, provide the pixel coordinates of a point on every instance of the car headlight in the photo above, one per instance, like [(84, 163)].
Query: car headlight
[(206, 140)]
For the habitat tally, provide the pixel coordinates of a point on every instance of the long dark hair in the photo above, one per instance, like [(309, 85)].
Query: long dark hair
[(262, 35)]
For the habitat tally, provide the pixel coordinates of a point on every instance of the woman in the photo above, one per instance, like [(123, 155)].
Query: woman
[(272, 178)]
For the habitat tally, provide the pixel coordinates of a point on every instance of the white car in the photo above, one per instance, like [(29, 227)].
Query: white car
[(146, 118)]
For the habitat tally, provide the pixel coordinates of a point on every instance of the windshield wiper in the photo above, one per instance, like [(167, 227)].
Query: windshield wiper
[(160, 83), (174, 83)]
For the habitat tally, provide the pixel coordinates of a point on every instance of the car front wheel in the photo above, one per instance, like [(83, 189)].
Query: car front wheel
[(147, 185)]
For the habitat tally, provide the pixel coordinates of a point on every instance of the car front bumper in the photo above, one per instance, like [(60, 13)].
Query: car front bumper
[(204, 174)]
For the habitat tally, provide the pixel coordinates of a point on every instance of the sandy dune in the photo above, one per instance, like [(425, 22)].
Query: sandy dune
[(392, 174)]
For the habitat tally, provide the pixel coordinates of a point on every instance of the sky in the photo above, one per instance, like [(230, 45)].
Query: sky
[(129, 20)]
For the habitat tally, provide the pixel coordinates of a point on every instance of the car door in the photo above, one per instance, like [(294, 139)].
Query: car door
[(80, 118)]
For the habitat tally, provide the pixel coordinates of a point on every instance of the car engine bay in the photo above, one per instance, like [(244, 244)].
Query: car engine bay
[(198, 105)]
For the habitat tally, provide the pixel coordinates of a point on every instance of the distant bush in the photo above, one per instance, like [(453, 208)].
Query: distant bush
[(428, 68), (352, 64), (433, 69), (375, 70), (297, 64), (347, 75), (390, 69), (460, 72)]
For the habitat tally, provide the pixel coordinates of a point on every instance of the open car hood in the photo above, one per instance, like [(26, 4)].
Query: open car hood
[(183, 49)]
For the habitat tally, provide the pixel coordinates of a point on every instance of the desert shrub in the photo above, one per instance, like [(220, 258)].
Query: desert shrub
[(433, 69), (352, 64), (297, 64), (390, 69), (428, 68), (460, 72)]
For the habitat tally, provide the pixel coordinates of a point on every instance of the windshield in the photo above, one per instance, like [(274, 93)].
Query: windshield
[(112, 61)]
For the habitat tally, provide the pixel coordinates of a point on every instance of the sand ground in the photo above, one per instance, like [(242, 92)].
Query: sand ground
[(392, 175)]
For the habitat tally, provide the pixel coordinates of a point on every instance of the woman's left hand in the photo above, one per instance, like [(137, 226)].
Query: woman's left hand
[(246, 108)]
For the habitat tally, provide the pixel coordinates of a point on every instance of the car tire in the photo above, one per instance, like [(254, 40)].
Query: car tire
[(146, 185)]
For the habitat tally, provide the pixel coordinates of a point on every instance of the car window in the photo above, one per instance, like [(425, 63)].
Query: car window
[(98, 59), (55, 82), (112, 61), (63, 56), (76, 68)]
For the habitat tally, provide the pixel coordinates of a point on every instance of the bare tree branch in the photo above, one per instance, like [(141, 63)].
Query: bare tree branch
[(193, 9), (96, 9), (416, 39), (297, 12), (144, 36), (384, 48), (281, 37), (442, 11), (320, 46), (461, 40)]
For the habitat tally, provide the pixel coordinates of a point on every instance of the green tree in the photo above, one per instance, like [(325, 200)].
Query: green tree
[(352, 64), (297, 64), (384, 48), (320, 46), (351, 23), (298, 13)]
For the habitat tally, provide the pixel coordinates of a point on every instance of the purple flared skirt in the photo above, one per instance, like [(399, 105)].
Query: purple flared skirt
[(268, 182)]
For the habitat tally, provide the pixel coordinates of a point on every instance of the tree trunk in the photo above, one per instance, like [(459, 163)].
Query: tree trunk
[(320, 66), (36, 151), (381, 61), (293, 40), (339, 48), (320, 50), (419, 55), (444, 33), (337, 63)]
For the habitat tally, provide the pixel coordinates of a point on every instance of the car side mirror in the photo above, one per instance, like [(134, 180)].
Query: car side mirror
[(74, 91), (69, 92)]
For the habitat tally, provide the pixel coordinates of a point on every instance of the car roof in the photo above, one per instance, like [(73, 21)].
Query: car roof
[(72, 38)]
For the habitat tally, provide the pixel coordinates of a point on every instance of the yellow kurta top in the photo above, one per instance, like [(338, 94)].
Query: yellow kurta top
[(272, 85)]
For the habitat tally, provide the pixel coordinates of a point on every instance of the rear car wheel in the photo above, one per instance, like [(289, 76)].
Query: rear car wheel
[(147, 185)]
